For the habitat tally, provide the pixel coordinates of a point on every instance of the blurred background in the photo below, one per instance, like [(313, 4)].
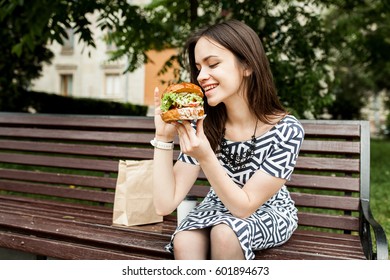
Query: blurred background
[(330, 59)]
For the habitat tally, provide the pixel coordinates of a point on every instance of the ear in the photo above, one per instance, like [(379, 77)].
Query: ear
[(247, 72)]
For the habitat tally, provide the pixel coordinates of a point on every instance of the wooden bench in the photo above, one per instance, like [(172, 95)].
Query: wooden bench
[(58, 174)]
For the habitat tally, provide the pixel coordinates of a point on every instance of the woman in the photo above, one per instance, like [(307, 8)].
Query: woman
[(247, 147)]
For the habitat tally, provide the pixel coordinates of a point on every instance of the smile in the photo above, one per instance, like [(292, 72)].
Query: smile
[(209, 87)]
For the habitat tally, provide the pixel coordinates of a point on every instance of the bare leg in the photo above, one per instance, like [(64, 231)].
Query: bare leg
[(192, 244), (225, 244)]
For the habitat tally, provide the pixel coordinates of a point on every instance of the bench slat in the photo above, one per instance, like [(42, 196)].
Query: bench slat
[(332, 147), (326, 249), (326, 201), (324, 182), (59, 178), (78, 149), (64, 162), (64, 250), (53, 191), (320, 128), (328, 164), (287, 252), (312, 127), (117, 122), (85, 214), (306, 244), (335, 147), (315, 128), (328, 221), (101, 137), (306, 163), (328, 237), (297, 180), (81, 210)]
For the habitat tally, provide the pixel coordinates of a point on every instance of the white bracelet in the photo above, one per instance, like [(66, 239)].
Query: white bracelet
[(162, 145)]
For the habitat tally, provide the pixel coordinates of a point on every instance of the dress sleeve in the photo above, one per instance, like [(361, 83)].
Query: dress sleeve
[(187, 159), (282, 157)]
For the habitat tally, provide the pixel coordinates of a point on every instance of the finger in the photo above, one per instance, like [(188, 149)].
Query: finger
[(188, 132), (156, 95), (157, 101), (191, 132), (181, 130), (199, 127), (183, 137)]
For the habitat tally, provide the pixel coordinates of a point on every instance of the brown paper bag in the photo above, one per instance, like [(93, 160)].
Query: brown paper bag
[(133, 204)]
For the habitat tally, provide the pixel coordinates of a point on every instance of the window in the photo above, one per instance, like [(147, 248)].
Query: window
[(66, 84), (68, 44), (110, 45), (113, 86)]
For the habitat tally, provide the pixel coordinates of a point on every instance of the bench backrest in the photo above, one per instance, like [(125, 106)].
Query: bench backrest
[(75, 159)]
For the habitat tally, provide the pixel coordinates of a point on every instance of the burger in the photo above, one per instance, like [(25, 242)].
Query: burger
[(182, 101)]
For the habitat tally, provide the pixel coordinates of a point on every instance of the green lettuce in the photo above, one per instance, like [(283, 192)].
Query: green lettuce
[(179, 100)]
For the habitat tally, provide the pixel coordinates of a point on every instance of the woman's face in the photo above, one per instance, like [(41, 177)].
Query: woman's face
[(220, 74)]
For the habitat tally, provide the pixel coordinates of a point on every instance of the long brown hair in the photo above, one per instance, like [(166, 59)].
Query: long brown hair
[(245, 44)]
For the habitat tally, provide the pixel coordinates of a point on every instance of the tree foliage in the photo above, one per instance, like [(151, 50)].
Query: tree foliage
[(360, 40), (26, 29), (293, 35), (318, 50)]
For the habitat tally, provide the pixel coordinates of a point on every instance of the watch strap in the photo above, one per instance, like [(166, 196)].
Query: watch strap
[(162, 145)]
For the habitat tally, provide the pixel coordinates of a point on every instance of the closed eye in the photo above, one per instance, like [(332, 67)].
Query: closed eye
[(214, 65)]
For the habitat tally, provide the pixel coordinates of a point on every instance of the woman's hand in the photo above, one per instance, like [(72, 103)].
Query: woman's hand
[(164, 131), (193, 142)]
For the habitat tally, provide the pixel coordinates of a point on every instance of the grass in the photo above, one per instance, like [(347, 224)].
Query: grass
[(380, 183)]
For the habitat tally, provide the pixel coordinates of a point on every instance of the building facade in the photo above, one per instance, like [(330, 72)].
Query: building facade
[(81, 71)]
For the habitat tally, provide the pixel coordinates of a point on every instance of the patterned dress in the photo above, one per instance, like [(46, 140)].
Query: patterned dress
[(273, 223)]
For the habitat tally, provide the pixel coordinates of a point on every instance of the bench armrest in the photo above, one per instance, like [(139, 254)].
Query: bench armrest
[(368, 222)]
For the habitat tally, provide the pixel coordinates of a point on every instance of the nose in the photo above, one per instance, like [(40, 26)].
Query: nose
[(203, 75)]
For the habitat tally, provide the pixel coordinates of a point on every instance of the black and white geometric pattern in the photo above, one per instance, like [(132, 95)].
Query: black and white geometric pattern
[(274, 222)]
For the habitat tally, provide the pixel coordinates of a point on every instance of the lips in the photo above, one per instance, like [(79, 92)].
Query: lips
[(209, 87)]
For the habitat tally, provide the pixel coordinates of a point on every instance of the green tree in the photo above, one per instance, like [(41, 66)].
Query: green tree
[(360, 40), (318, 50), (26, 27)]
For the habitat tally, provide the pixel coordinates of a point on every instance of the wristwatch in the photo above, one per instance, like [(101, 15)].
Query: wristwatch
[(162, 145)]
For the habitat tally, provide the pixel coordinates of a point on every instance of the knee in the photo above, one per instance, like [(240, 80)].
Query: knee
[(222, 236), (225, 244), (191, 245), (180, 243)]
